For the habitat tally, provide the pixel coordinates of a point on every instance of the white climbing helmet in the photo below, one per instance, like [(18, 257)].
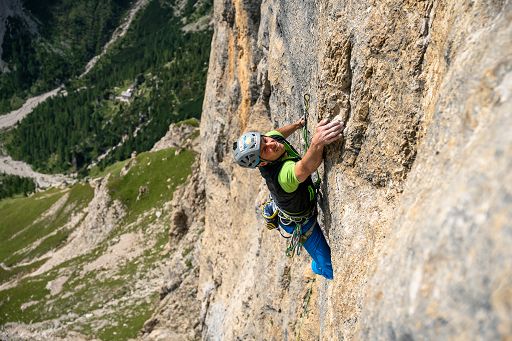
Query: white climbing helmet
[(246, 151)]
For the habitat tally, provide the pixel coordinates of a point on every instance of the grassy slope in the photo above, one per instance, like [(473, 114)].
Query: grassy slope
[(161, 172), (158, 182)]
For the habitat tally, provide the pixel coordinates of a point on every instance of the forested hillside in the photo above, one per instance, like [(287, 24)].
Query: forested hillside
[(62, 37), (155, 75), (11, 185)]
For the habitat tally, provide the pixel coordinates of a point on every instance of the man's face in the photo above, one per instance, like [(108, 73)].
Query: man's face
[(270, 149)]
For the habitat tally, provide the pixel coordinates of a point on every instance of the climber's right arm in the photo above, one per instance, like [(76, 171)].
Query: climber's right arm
[(326, 133)]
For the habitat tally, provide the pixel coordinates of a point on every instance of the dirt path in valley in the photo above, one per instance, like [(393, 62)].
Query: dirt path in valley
[(10, 119), (20, 168)]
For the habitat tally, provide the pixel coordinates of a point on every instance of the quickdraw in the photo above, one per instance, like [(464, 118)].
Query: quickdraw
[(294, 245)]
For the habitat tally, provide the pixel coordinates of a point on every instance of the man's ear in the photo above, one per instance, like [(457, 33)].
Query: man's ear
[(262, 164)]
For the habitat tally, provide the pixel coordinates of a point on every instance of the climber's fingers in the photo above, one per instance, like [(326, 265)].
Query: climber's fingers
[(334, 126), (322, 123), (333, 137), (326, 126), (328, 132)]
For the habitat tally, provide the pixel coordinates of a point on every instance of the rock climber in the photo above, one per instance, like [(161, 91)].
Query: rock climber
[(292, 204)]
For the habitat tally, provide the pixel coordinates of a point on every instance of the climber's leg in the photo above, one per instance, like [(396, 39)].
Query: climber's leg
[(317, 247)]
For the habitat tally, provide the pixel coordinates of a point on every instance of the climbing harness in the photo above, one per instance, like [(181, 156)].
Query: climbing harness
[(275, 218), (298, 237)]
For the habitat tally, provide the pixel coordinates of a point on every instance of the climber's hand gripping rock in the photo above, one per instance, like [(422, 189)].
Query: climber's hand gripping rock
[(326, 133)]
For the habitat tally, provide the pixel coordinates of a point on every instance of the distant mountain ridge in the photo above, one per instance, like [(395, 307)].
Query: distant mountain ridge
[(46, 43), (12, 8)]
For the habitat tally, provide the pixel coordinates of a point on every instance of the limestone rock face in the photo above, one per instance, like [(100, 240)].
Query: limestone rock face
[(417, 197), (178, 315), (179, 136)]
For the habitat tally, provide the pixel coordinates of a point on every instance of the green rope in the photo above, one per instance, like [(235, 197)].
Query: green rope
[(306, 137)]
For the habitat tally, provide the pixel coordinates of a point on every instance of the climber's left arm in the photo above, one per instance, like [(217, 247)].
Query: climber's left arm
[(291, 128)]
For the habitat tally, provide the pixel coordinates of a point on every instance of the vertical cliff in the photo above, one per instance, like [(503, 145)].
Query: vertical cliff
[(416, 198)]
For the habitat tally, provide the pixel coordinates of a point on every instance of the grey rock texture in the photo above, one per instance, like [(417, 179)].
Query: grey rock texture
[(417, 197)]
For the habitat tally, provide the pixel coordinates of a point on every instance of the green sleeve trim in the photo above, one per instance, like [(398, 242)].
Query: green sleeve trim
[(287, 178), (273, 132)]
